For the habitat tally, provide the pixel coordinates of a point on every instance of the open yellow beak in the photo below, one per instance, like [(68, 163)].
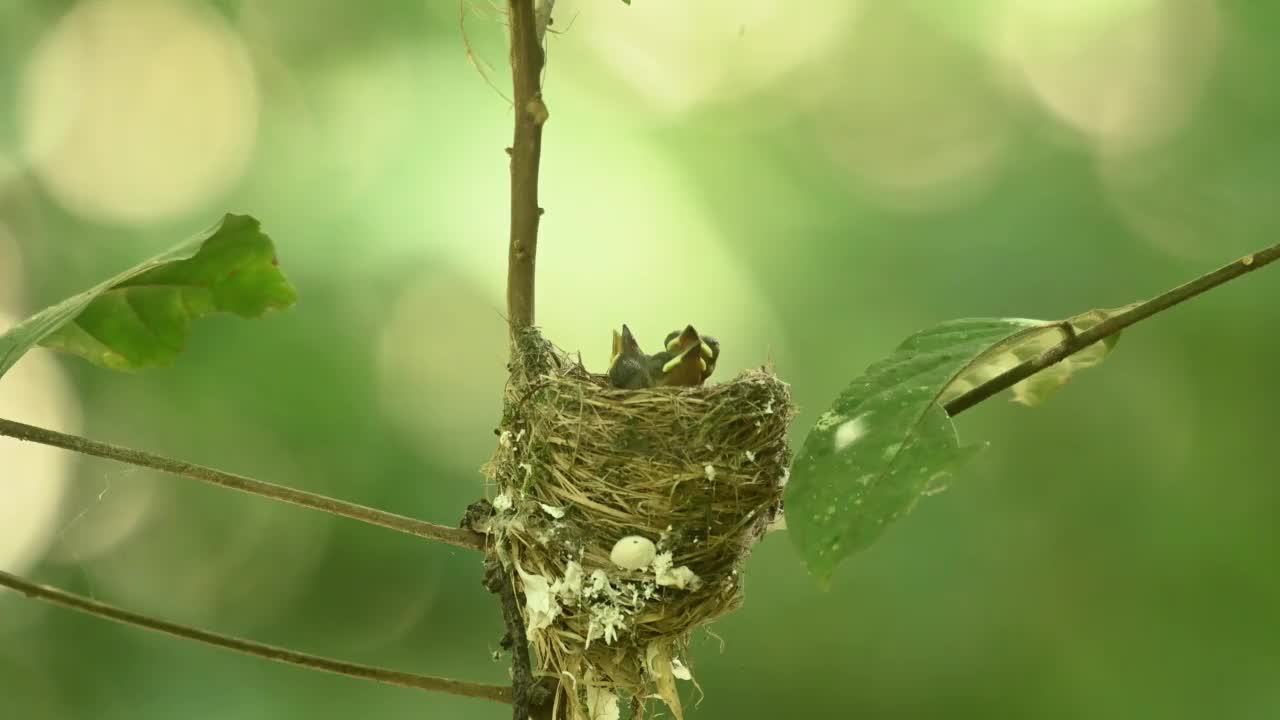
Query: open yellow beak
[(617, 349)]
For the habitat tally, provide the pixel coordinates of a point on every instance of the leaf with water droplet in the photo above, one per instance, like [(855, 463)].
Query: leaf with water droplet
[(885, 440)]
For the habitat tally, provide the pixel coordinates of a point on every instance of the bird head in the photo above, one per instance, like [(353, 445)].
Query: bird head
[(708, 349), (629, 367)]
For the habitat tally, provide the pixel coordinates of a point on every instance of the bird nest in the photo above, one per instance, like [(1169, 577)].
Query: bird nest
[(623, 516)]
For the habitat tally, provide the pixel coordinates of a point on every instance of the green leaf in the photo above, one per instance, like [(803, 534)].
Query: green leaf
[(141, 318), (887, 441)]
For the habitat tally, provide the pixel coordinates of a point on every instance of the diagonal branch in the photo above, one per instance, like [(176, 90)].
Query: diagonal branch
[(526, 153), (417, 528), (1074, 343), (44, 593)]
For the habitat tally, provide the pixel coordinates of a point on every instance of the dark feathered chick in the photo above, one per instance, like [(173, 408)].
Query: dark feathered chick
[(629, 367)]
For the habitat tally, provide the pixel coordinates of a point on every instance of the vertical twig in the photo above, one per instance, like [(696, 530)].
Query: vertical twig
[(526, 151), (527, 25)]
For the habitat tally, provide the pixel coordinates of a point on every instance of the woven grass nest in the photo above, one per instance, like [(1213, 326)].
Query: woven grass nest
[(698, 472)]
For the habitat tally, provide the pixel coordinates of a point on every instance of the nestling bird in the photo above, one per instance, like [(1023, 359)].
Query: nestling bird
[(629, 367), (688, 360), (708, 350), (681, 368)]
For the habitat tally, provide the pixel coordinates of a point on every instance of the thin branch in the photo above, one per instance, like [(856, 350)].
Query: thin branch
[(526, 152), (1074, 343), (497, 693), (429, 531)]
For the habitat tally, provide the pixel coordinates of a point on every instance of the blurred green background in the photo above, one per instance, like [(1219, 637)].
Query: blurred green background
[(810, 182)]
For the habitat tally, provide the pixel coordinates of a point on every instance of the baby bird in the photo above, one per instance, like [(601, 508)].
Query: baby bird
[(629, 367), (682, 368), (704, 359)]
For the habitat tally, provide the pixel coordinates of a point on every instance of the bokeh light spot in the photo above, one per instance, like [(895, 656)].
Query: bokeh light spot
[(934, 139), (189, 551), (633, 246), (677, 55), (137, 110), (103, 512), (1123, 74), (1202, 201), (34, 477), (10, 267), (441, 359)]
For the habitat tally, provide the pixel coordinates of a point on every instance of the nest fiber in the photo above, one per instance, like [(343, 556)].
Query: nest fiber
[(623, 516)]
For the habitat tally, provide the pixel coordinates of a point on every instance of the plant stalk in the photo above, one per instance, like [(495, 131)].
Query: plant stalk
[(44, 593), (429, 531), (1073, 343)]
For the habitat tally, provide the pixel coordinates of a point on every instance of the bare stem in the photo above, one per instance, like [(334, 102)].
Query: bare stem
[(527, 27), (429, 531), (497, 693), (1075, 342), (526, 153)]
